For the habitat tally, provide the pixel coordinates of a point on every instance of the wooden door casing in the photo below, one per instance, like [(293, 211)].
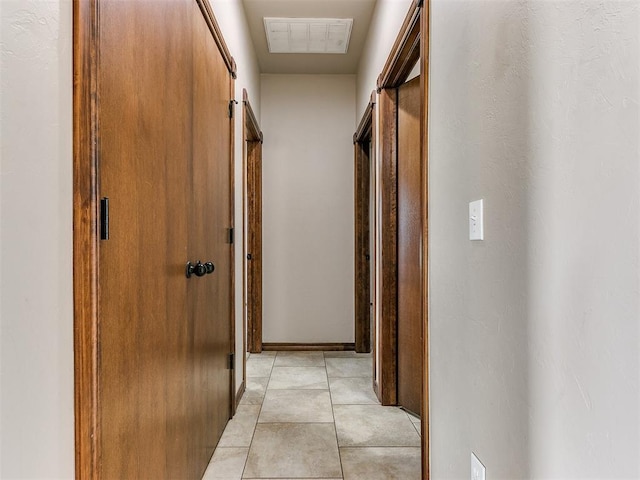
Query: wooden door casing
[(410, 337), (364, 248), (149, 363), (253, 139)]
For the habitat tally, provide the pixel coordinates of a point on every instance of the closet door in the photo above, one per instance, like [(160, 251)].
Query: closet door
[(145, 144), (210, 296), (163, 385)]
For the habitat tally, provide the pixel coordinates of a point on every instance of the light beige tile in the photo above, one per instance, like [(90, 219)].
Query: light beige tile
[(259, 365), (349, 367), (381, 463), (418, 428), (352, 391), (226, 463), (374, 426), (295, 450), (255, 389), (240, 428), (299, 359), (293, 378), (311, 406)]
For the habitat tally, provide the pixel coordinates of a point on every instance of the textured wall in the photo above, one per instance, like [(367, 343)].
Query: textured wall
[(534, 332), (307, 122), (385, 24), (36, 318), (231, 18)]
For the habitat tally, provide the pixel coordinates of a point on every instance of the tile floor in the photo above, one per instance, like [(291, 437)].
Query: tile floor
[(314, 415)]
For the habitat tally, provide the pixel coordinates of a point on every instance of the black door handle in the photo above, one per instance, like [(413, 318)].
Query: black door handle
[(199, 269), (249, 257)]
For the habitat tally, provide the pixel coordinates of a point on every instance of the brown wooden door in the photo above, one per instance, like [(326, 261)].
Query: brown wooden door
[(163, 385), (254, 245), (410, 342), (209, 241)]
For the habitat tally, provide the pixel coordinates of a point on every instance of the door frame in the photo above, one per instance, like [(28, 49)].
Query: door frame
[(411, 46), (86, 242), (364, 142), (252, 227)]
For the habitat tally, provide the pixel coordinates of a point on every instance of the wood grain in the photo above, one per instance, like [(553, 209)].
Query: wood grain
[(410, 336), (424, 175), (387, 334), (147, 368), (85, 237)]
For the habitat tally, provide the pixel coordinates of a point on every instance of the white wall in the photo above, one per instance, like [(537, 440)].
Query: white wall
[(232, 21), (385, 24), (308, 123), (36, 308), (535, 331)]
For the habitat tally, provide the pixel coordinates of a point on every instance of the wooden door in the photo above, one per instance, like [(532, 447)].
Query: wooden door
[(410, 341), (254, 245), (211, 211), (162, 383), (253, 139), (144, 149), (362, 268)]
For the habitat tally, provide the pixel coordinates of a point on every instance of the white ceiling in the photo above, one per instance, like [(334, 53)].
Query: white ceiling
[(359, 10)]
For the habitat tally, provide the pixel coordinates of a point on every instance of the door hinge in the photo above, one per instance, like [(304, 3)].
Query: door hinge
[(231, 235), (232, 361), (104, 218), (232, 104)]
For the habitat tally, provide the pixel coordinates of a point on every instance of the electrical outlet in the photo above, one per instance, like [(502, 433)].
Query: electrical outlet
[(478, 471)]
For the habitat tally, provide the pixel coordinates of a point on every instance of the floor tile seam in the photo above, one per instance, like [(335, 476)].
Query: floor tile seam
[(380, 446), (333, 415), (257, 418), (295, 423), (297, 390)]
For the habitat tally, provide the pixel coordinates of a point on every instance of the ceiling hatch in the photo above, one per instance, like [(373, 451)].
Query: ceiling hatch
[(308, 35)]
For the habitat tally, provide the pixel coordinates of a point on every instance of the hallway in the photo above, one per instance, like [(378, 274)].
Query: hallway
[(315, 415)]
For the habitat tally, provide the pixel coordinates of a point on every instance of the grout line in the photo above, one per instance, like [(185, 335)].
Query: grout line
[(333, 415)]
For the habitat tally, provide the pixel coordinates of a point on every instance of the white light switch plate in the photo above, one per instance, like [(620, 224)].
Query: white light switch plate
[(477, 468), (476, 220)]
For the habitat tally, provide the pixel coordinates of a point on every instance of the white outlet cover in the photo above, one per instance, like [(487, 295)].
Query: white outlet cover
[(476, 220), (478, 472)]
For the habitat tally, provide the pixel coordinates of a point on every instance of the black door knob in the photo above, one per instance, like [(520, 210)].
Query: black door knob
[(199, 269), (249, 257)]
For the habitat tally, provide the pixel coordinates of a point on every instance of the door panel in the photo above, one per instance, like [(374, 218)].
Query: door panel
[(210, 296), (410, 343), (163, 385), (142, 303)]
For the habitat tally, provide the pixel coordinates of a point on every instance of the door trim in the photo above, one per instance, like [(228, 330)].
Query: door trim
[(86, 243), (411, 46), (364, 160), (252, 198), (85, 237)]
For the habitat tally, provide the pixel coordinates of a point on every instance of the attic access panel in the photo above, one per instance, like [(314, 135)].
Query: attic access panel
[(308, 35)]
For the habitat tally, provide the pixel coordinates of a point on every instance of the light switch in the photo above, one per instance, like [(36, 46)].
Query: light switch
[(478, 471), (476, 229)]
